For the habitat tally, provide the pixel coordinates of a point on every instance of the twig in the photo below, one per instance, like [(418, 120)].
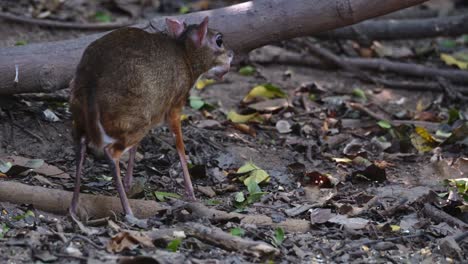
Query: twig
[(70, 256), (60, 95), (421, 86), (410, 69), (371, 242), (217, 237), (59, 231), (328, 57), (461, 237), (13, 121), (38, 138), (89, 241), (199, 210), (63, 25), (335, 60), (382, 65), (369, 112), (441, 216), (362, 108), (450, 91), (401, 29)]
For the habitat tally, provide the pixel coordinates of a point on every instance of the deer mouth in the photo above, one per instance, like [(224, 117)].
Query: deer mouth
[(218, 72)]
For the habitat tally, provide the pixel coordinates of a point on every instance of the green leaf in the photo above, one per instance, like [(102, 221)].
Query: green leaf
[(3, 229), (359, 93), (279, 236), (455, 59), (443, 134), (247, 70), (421, 143), (104, 178), (202, 83), (212, 202), (21, 43), (238, 118), (448, 43), (196, 102), (161, 196), (312, 97), (461, 184), (240, 197), (237, 232), (464, 38), (174, 245), (34, 163), (252, 187), (5, 166), (23, 216), (102, 17), (267, 90), (254, 173), (184, 9), (255, 197), (384, 124), (454, 115)]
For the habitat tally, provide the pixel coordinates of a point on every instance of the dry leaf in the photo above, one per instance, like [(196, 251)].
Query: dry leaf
[(128, 240)]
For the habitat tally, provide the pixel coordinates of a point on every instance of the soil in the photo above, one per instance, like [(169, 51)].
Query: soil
[(348, 219)]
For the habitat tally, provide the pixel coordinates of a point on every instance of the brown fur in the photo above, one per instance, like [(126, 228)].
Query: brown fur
[(130, 80)]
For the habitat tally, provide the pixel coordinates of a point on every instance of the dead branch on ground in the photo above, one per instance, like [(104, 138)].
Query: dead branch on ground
[(356, 65), (46, 67), (219, 238), (291, 225), (61, 24), (213, 236), (401, 29), (441, 216), (58, 201), (99, 206)]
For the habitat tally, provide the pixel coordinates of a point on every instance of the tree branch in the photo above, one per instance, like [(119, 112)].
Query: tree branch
[(401, 29), (50, 66), (63, 25)]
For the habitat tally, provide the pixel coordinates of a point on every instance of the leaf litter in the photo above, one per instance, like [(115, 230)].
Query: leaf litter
[(362, 184)]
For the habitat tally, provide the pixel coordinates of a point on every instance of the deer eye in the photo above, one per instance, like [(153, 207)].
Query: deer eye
[(219, 40)]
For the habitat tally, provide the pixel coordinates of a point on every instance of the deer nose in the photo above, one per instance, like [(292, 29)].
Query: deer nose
[(230, 54)]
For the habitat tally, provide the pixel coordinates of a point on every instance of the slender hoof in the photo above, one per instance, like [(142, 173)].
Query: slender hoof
[(190, 197), (133, 221), (73, 216), (72, 212)]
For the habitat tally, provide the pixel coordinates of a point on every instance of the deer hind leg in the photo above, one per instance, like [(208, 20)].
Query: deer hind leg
[(113, 152), (80, 156)]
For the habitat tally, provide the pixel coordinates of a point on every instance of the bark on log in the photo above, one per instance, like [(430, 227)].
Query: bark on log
[(401, 29), (50, 66), (58, 201)]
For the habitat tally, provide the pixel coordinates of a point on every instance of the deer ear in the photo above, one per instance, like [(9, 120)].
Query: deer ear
[(174, 27), (199, 36)]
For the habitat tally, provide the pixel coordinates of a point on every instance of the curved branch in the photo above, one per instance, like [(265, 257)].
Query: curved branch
[(402, 29), (246, 26), (63, 25)]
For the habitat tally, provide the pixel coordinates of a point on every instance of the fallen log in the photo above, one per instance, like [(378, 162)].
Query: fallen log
[(46, 67), (58, 201), (100, 206)]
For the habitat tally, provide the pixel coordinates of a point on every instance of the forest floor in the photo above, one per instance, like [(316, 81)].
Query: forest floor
[(331, 182)]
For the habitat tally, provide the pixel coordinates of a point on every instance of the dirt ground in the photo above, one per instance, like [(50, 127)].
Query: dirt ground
[(391, 206)]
